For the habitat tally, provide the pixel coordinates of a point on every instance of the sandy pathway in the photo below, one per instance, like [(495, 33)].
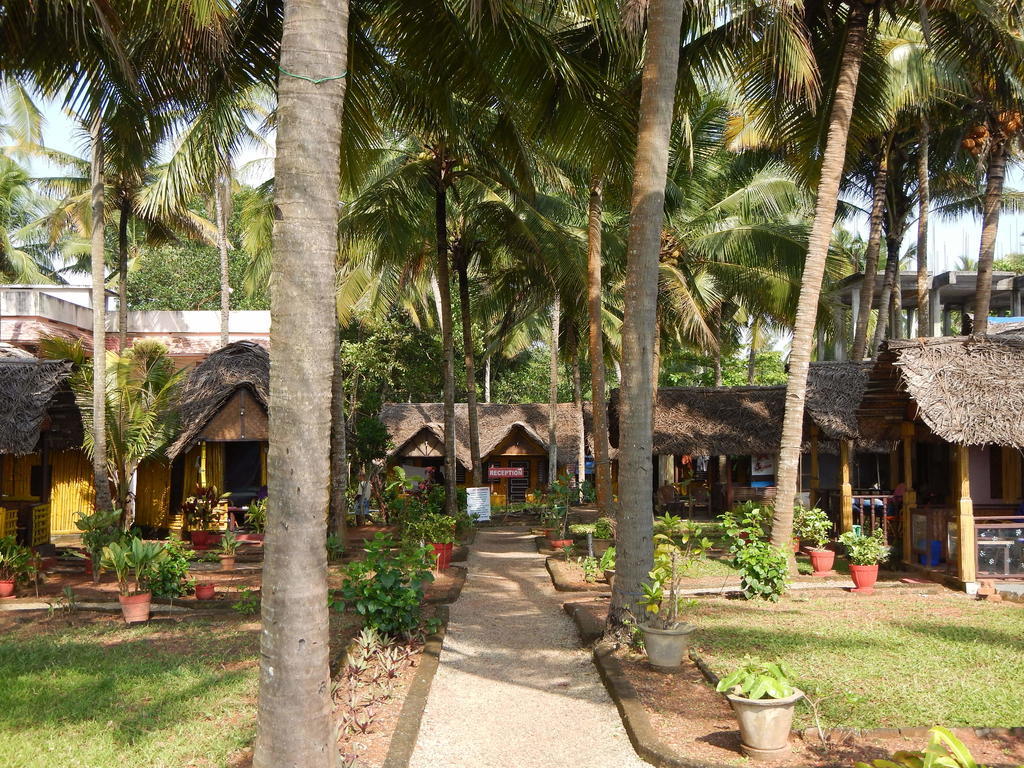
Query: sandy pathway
[(513, 687)]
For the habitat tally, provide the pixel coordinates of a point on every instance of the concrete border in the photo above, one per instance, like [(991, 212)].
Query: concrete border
[(403, 740), (563, 586), (589, 628)]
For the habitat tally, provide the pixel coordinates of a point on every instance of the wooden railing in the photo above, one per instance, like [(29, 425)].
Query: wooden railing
[(869, 511), (40, 525)]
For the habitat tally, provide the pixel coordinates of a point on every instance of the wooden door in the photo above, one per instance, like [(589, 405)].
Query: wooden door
[(519, 486)]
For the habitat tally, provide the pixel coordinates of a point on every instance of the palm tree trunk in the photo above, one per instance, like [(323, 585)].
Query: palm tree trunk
[(467, 351), (634, 545), (717, 319), (100, 476), (487, 379), (553, 394), (220, 204), (295, 727), (892, 262), (989, 229), (924, 326), (444, 291), (339, 447), (896, 301), (124, 216), (814, 268), (752, 354), (581, 439), (598, 401), (867, 289)]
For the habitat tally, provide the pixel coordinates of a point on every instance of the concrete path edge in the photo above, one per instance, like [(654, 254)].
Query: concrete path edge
[(403, 740)]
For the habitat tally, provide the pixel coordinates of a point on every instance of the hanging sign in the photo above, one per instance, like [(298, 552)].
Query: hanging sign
[(478, 503), (501, 473)]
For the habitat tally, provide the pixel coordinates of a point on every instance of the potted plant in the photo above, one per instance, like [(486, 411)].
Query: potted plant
[(15, 563), (98, 530), (438, 531), (763, 699), (599, 535), (228, 549), (607, 565), (198, 510), (865, 553), (814, 528), (205, 591), (136, 558), (666, 637), (255, 518)]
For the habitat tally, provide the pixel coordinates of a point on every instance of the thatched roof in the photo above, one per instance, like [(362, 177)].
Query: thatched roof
[(969, 390), (27, 387), (406, 421), (742, 421), (241, 364)]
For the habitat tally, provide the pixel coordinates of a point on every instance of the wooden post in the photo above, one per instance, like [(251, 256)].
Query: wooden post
[(967, 558), (815, 467), (1011, 474), (845, 488), (202, 464), (909, 495)]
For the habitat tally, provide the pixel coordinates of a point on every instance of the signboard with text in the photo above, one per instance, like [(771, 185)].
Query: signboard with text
[(478, 502), (502, 473)]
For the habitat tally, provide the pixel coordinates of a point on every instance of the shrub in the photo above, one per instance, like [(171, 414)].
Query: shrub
[(256, 517), (386, 588), (607, 561), (944, 750), (812, 525), (865, 550), (247, 604), (99, 529), (335, 547), (170, 577), (136, 557), (764, 570), (756, 680), (673, 555), (15, 560), (432, 528), (749, 520)]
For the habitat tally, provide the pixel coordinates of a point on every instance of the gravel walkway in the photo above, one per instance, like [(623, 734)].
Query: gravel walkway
[(513, 687)]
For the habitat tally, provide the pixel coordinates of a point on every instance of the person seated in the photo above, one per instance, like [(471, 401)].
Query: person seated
[(896, 500)]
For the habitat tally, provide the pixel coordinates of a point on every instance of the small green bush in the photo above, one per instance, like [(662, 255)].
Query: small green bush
[(386, 588), (812, 525), (170, 577), (764, 570), (865, 550)]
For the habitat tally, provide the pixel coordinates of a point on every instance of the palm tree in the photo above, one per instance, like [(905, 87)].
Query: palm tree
[(657, 101), (294, 723)]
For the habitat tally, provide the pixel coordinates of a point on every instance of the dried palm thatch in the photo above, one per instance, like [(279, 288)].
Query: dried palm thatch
[(406, 422), (27, 387), (969, 391), (744, 421), (241, 364)]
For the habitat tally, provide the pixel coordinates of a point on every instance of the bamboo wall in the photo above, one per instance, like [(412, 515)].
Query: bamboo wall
[(153, 493), (71, 490), (16, 476)]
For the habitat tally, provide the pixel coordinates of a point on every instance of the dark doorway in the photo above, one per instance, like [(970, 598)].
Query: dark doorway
[(242, 470), (519, 486)]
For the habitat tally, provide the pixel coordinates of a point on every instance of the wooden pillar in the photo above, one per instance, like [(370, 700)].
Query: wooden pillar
[(729, 495), (1011, 474), (909, 495), (202, 464), (845, 488), (967, 557), (815, 467)]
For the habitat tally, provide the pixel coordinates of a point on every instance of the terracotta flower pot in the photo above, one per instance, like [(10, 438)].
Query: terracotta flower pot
[(765, 725), (796, 545), (203, 540), (443, 555), (252, 538), (135, 608), (864, 577), (6, 588), (822, 561), (559, 543), (205, 591), (227, 562), (667, 648)]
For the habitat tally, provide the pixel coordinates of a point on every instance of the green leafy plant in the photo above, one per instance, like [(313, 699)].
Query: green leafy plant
[(15, 560), (248, 602), (256, 517), (749, 520), (582, 529), (590, 568), (674, 554), (335, 547), (812, 525), (865, 550), (228, 543), (432, 528), (135, 557), (944, 750), (568, 552), (764, 569), (386, 587), (607, 561), (170, 575), (99, 529), (198, 508), (758, 680)]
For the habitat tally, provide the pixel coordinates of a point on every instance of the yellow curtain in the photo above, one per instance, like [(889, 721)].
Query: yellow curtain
[(215, 466), (153, 493), (191, 462)]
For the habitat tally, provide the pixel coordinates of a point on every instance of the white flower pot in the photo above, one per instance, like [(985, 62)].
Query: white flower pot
[(765, 725), (667, 647)]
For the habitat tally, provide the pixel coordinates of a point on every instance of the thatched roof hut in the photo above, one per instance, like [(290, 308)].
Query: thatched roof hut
[(967, 390), (238, 372), (743, 421), (27, 390), (407, 422)]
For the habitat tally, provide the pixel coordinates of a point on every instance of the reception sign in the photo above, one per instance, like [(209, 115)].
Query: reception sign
[(502, 473)]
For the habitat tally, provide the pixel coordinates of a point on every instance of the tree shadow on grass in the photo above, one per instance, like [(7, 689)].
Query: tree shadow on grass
[(965, 634)]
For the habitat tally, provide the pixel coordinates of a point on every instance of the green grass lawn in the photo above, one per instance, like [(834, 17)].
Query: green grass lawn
[(100, 694), (889, 660)]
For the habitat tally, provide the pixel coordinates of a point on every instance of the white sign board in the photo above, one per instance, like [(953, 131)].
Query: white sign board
[(478, 502)]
